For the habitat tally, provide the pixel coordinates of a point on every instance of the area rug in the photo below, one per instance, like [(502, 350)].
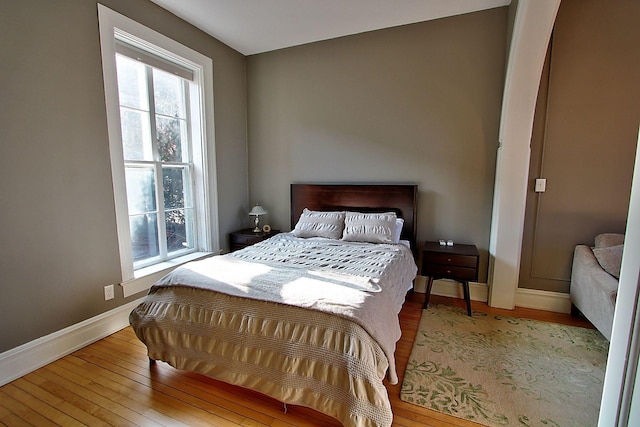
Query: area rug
[(505, 371)]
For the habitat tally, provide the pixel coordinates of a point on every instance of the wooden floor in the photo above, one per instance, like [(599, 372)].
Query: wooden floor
[(110, 383)]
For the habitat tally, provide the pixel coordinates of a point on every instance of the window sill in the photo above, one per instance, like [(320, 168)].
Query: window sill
[(147, 276)]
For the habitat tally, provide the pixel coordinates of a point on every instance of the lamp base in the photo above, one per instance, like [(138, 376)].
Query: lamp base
[(257, 228)]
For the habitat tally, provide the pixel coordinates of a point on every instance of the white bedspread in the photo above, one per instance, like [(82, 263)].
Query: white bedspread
[(363, 282)]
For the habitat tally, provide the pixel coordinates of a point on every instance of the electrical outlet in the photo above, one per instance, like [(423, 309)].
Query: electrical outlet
[(108, 292)]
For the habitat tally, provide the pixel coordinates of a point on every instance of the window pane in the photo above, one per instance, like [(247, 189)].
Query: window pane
[(171, 133), (144, 236), (179, 228), (132, 83), (136, 134), (175, 193), (141, 189), (169, 94)]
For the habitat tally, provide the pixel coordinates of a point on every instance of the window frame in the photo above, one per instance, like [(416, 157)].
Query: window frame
[(115, 28)]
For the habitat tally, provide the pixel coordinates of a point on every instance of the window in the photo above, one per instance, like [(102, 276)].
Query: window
[(157, 160), (159, 112)]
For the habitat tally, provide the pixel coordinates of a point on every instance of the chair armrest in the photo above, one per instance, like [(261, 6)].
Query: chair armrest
[(593, 290), (585, 263)]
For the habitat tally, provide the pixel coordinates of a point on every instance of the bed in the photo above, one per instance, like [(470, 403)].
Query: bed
[(305, 317)]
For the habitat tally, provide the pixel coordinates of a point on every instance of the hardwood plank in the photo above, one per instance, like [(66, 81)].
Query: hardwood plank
[(47, 411), (117, 403), (127, 394), (111, 382), (8, 418), (170, 387), (175, 406), (71, 404), (23, 412)]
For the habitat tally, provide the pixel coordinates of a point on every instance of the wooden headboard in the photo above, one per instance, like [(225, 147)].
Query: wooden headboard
[(398, 198)]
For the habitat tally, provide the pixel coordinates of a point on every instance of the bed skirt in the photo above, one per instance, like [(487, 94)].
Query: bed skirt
[(295, 355)]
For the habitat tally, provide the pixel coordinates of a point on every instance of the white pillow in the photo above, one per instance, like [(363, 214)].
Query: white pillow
[(395, 238), (320, 224), (369, 227)]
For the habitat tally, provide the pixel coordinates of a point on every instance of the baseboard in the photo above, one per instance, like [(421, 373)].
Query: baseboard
[(543, 300), (453, 289), (528, 298), (30, 356)]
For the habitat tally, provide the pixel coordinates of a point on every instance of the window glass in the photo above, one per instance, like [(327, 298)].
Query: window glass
[(171, 133), (141, 189), (179, 226), (136, 135), (174, 182), (144, 236), (132, 83), (168, 93), (148, 144)]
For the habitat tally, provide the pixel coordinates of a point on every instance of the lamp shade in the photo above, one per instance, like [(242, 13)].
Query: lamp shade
[(257, 210)]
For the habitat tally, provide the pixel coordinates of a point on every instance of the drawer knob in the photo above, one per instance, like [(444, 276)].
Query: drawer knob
[(448, 271), (449, 259)]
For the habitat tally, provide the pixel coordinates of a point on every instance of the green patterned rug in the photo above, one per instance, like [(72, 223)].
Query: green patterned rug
[(505, 371)]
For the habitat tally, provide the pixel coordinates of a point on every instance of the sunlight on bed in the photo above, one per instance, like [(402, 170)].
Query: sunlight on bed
[(232, 272), (318, 289)]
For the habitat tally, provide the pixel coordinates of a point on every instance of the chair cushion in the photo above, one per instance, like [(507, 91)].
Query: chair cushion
[(610, 259), (608, 239)]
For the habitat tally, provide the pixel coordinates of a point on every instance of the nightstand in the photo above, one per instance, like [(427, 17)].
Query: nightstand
[(457, 262), (246, 237)]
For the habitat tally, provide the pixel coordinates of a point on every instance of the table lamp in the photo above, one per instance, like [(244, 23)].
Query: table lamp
[(256, 211)]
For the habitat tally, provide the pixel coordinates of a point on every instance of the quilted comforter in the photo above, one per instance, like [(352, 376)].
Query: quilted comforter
[(311, 322)]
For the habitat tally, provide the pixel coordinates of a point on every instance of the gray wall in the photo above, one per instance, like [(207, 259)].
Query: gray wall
[(58, 243), (419, 103), (584, 137)]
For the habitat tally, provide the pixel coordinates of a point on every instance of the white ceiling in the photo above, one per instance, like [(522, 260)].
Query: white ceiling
[(256, 26)]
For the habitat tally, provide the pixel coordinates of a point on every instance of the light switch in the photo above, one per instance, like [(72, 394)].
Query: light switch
[(541, 185)]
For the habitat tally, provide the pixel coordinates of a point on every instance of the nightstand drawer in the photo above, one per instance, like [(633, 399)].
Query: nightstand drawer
[(453, 259), (246, 239), (242, 238), (450, 271)]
